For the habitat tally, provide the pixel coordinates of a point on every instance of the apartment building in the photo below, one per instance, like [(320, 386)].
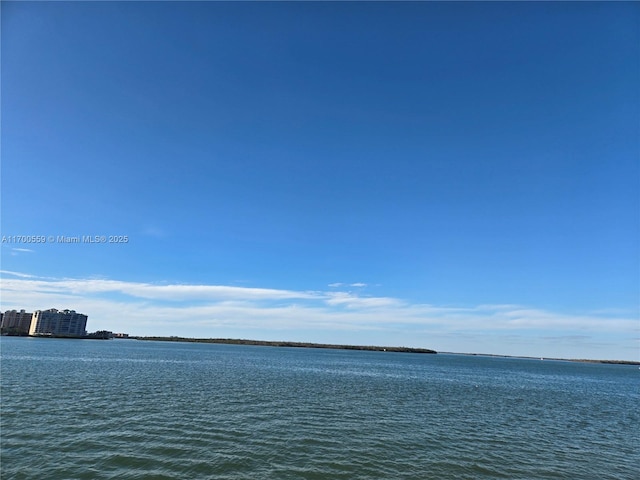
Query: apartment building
[(54, 322), (19, 321)]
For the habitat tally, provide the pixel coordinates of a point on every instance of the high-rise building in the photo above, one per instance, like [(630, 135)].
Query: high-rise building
[(54, 322), (16, 321)]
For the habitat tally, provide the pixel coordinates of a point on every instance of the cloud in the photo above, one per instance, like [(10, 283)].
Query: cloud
[(16, 274), (17, 251), (143, 308), (178, 292), (353, 301), (153, 231)]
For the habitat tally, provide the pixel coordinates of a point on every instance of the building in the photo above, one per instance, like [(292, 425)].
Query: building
[(17, 322), (54, 322)]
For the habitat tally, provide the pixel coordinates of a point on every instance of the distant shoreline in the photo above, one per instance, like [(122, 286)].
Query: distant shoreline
[(371, 348), (579, 360), (265, 343)]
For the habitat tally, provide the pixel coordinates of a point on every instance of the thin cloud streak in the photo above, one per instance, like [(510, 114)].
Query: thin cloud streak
[(154, 292), (22, 250), (16, 274)]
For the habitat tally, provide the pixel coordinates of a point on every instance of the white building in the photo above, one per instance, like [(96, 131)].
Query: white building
[(54, 322), (20, 321)]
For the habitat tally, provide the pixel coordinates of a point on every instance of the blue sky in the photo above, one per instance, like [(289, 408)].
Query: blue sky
[(458, 176)]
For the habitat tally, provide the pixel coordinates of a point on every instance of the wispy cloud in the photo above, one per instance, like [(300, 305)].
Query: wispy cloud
[(179, 292), (16, 274), (354, 301), (153, 231), (17, 251), (207, 310)]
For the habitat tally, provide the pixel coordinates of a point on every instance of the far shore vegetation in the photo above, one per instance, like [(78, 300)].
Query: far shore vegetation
[(231, 341)]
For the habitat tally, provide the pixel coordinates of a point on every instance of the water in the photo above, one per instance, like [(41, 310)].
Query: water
[(127, 409)]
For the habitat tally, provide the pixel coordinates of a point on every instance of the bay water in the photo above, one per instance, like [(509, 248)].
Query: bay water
[(129, 409)]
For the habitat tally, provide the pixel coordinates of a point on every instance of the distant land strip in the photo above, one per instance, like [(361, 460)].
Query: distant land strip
[(263, 343), (582, 360)]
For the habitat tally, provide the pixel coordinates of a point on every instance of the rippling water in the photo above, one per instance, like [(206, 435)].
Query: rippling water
[(126, 409)]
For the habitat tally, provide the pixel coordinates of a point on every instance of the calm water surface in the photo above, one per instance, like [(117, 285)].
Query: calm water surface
[(127, 409)]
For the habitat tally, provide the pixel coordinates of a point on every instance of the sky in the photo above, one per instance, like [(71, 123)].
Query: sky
[(456, 176)]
